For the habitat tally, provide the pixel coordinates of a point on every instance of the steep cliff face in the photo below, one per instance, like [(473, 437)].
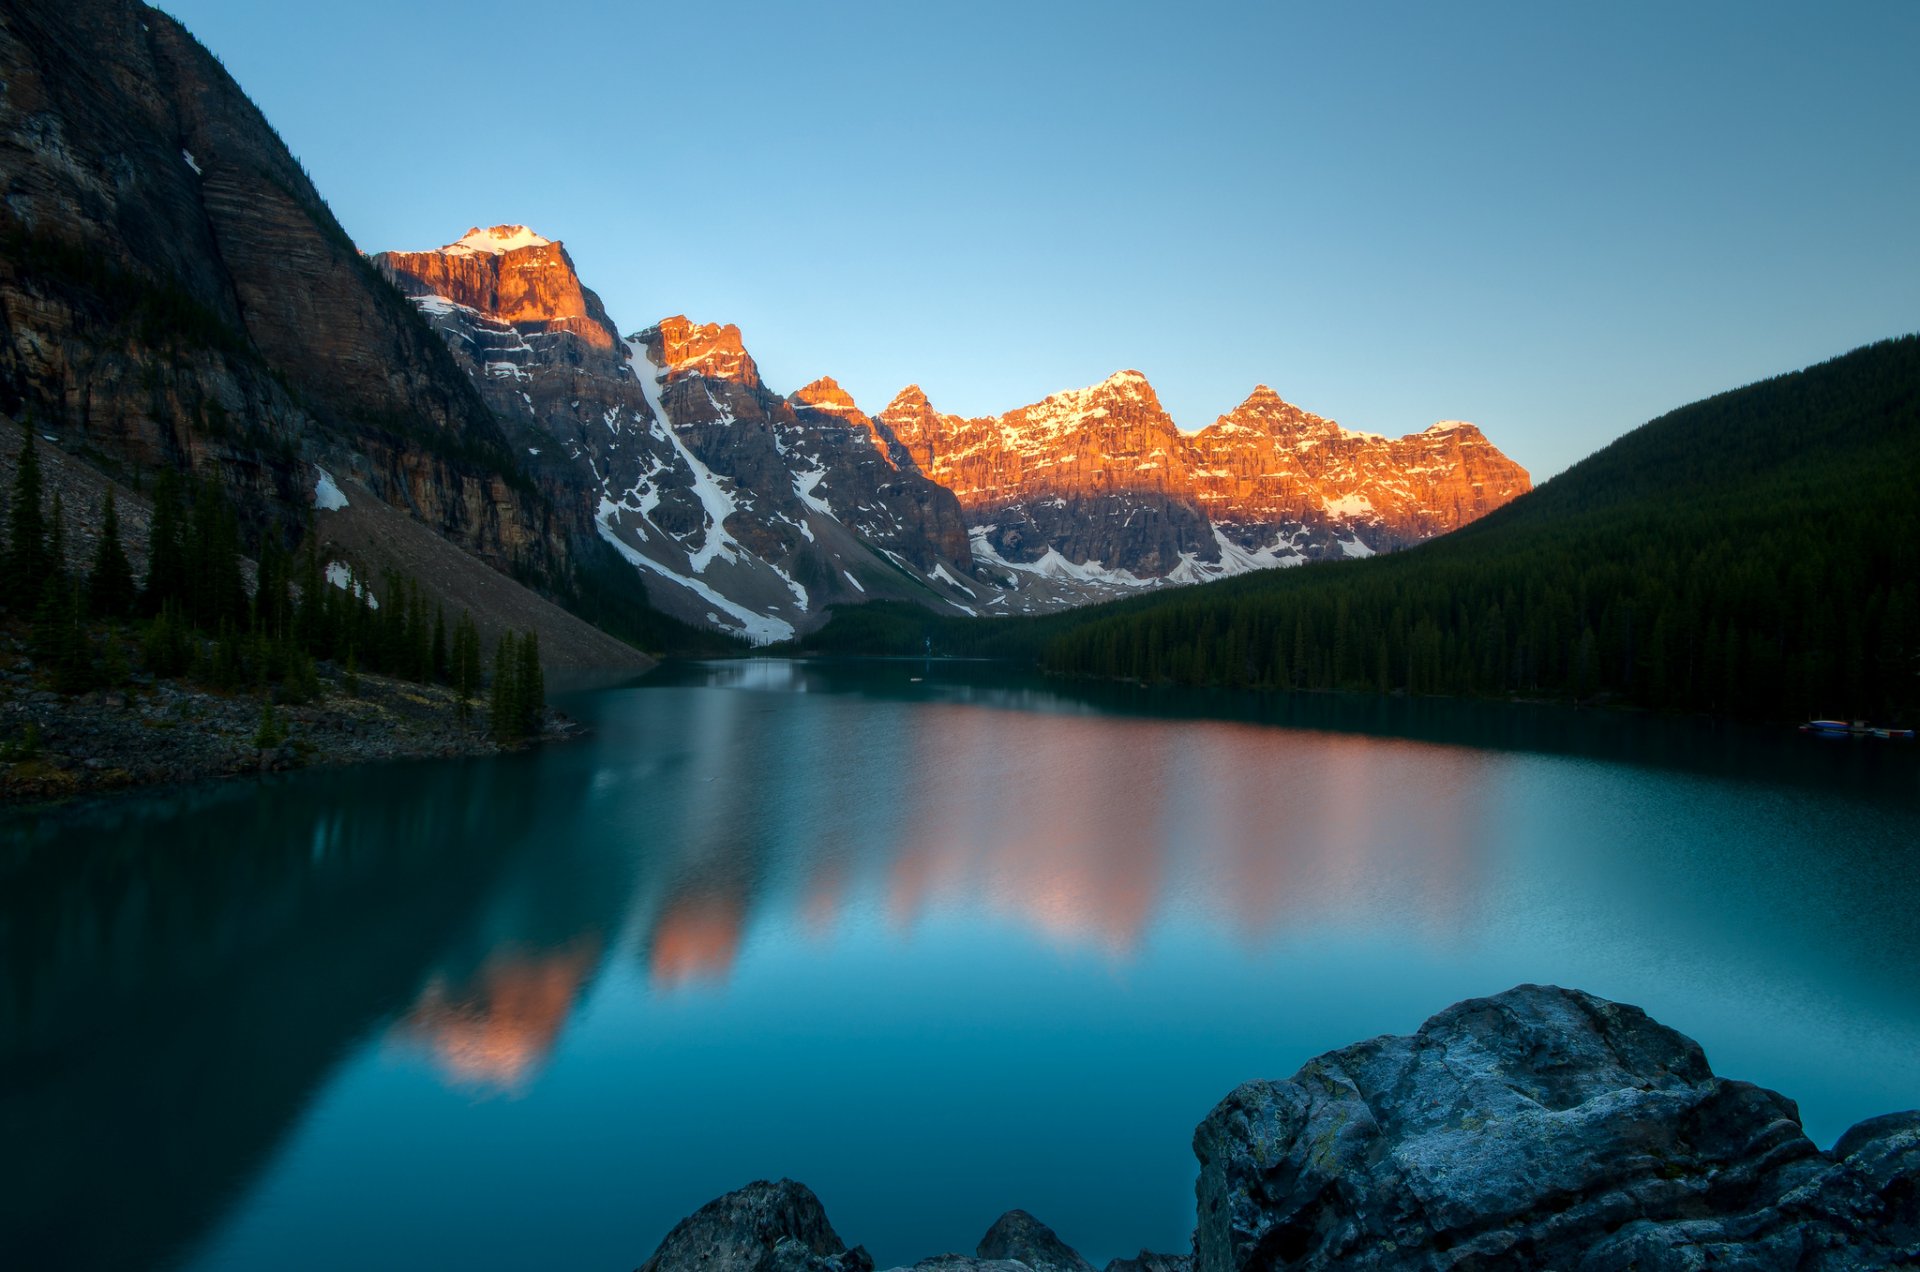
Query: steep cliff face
[(510, 274), (1268, 469), (1095, 476), (1102, 479), (173, 291)]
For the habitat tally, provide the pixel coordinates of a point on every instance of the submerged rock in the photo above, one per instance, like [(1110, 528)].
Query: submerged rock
[(1542, 1128), (764, 1227)]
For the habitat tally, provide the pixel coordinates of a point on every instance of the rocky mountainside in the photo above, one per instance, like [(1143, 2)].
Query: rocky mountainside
[(736, 507), (1540, 1128), (755, 513), (175, 293), (1103, 479)]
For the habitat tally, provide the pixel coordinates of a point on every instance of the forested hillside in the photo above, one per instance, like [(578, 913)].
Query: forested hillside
[(1754, 554)]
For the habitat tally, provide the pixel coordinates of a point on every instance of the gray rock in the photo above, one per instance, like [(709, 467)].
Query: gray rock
[(1148, 1261), (764, 1227), (1542, 1128), (962, 1263), (1018, 1235)]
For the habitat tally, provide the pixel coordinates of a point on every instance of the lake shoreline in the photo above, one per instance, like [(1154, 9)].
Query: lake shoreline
[(167, 733)]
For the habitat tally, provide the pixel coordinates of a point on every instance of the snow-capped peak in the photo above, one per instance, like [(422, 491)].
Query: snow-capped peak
[(494, 241)]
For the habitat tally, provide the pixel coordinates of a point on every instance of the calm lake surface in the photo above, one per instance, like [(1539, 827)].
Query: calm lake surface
[(938, 949)]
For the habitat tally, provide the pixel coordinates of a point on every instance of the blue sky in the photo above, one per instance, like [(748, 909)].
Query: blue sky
[(1555, 221)]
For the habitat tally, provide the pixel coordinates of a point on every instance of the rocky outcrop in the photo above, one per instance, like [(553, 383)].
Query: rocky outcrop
[(764, 1227), (1018, 1236), (1540, 1128), (1148, 1261)]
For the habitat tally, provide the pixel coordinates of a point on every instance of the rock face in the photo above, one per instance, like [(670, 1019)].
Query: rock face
[(175, 292), (1103, 477), (732, 506), (1096, 475), (1542, 1128), (1019, 1236), (764, 1227), (1268, 469), (510, 274)]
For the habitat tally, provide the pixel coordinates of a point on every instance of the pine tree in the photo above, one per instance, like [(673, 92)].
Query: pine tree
[(531, 685), (503, 707), (110, 592), (27, 558), (166, 550), (466, 664), (438, 671), (271, 733)]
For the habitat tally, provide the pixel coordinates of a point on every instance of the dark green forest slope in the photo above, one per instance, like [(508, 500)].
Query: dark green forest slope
[(1756, 554)]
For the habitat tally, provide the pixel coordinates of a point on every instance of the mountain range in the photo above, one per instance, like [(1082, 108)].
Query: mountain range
[(175, 293), (757, 512)]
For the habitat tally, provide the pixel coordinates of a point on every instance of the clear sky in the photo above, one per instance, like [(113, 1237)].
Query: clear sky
[(1556, 221)]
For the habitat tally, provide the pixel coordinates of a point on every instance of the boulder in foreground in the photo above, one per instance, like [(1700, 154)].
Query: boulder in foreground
[(1542, 1128)]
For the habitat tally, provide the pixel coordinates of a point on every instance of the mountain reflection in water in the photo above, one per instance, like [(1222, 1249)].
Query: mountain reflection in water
[(767, 910)]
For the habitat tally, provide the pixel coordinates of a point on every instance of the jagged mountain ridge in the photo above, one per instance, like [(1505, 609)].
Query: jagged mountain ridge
[(755, 512), (738, 508), (1104, 475)]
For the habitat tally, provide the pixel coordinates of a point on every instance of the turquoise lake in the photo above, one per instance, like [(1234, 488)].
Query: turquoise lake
[(937, 939)]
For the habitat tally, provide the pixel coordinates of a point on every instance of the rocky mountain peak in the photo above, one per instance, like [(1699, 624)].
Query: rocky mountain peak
[(508, 274), (825, 394), (495, 241), (1265, 411), (704, 349)]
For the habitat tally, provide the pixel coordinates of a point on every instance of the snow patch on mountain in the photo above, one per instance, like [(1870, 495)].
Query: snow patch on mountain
[(327, 495), (497, 241), (759, 629), (717, 502), (340, 574)]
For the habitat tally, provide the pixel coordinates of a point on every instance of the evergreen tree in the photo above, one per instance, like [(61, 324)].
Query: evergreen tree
[(531, 686), (438, 670), (166, 548), (27, 558), (110, 592), (503, 707), (465, 658)]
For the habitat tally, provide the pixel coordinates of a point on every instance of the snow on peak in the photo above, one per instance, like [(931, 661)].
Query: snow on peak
[(1450, 426), (1123, 378), (824, 394), (911, 398), (494, 241)]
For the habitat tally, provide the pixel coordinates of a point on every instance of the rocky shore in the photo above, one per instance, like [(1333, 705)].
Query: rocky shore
[(164, 731), (1542, 1128)]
